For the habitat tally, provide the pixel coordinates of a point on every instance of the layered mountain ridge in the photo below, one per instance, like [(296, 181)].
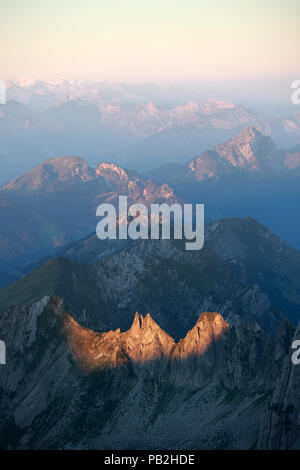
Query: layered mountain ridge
[(249, 151), (127, 133), (55, 204), (135, 128), (208, 352), (60, 174), (247, 175), (242, 270), (88, 388)]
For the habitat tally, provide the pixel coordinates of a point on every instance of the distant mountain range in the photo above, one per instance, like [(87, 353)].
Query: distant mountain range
[(54, 204), (246, 175), (119, 126)]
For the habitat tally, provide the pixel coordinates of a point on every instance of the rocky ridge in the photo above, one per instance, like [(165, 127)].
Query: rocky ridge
[(86, 389)]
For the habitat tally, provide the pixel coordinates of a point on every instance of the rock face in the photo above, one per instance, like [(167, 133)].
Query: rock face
[(208, 165), (144, 341), (292, 161), (66, 386), (247, 152), (199, 339), (52, 175), (63, 173), (281, 423)]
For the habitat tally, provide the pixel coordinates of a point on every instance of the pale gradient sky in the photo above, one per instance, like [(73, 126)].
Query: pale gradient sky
[(153, 40)]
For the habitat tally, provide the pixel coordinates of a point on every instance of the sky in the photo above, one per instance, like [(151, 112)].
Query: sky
[(153, 40)]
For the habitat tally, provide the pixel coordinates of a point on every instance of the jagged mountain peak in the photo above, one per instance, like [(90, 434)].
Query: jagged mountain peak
[(208, 329), (247, 151), (56, 173), (144, 325), (139, 322), (250, 149), (144, 342), (112, 172), (106, 383)]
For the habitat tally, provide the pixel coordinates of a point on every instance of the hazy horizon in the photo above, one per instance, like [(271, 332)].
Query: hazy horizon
[(138, 41)]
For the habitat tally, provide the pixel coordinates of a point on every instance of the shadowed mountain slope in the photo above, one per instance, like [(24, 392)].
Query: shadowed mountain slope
[(87, 389), (55, 204)]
